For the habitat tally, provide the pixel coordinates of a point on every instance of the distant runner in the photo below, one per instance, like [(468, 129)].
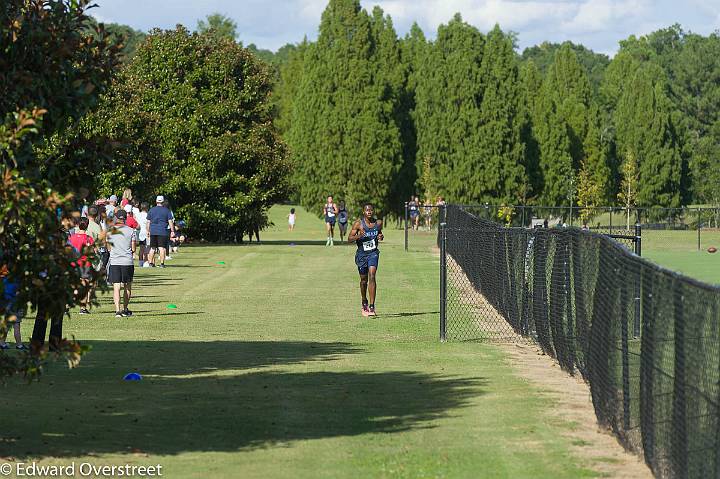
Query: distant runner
[(330, 210), (414, 206), (366, 233), (342, 220)]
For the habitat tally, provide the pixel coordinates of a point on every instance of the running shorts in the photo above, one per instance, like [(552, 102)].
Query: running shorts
[(364, 260), (121, 273)]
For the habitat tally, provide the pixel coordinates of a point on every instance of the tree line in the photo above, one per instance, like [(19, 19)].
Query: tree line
[(369, 116)]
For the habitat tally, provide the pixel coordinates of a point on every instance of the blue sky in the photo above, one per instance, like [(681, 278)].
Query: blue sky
[(597, 24)]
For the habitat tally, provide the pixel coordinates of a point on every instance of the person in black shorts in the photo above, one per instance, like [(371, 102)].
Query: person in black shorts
[(122, 241), (342, 218), (367, 233), (159, 221)]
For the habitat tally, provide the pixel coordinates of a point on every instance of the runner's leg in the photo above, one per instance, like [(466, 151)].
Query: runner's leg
[(372, 284), (364, 288)]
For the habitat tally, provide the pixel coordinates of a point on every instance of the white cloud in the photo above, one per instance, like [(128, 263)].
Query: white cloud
[(606, 15), (599, 24)]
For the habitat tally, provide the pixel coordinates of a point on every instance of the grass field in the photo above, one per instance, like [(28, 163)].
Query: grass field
[(266, 369)]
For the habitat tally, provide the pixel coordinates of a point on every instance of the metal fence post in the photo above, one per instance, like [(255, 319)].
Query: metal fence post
[(406, 226), (699, 225), (638, 281), (443, 273), (611, 210)]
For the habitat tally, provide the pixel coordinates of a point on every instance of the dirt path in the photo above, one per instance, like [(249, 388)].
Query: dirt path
[(596, 447)]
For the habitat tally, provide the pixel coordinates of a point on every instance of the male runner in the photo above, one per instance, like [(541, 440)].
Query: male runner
[(366, 233), (330, 210), (342, 220)]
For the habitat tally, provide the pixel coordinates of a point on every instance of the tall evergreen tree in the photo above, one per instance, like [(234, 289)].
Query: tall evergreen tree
[(413, 49), (344, 137), (530, 91), (570, 103), (644, 127), (501, 175), (556, 163), (447, 115), (286, 89)]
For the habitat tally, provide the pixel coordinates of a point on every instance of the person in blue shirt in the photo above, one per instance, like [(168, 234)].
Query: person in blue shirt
[(367, 233), (160, 223), (8, 305)]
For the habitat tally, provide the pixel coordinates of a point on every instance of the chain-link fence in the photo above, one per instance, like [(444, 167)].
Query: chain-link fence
[(665, 229), (646, 340)]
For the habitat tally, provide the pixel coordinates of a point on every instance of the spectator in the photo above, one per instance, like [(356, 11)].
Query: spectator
[(130, 221), (11, 310), (122, 242), (81, 241), (110, 206), (44, 315), (142, 234), (159, 220), (126, 198), (94, 229)]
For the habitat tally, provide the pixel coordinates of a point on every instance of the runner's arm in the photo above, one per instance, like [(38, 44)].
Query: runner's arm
[(380, 236), (356, 232)]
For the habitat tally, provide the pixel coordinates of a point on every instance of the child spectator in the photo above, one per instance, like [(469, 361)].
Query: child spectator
[(291, 220)]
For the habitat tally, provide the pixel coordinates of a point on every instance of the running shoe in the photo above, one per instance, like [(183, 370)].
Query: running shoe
[(22, 347), (4, 346), (371, 311), (365, 311), (119, 314), (84, 311), (327, 243), (127, 313), (162, 265)]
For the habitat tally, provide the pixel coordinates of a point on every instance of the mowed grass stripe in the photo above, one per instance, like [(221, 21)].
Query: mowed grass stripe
[(266, 369)]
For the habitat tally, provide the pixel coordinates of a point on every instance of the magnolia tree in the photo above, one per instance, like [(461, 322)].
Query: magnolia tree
[(191, 114)]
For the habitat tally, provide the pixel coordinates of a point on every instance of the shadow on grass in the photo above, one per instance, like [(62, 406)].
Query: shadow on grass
[(405, 315), (215, 397), (298, 242)]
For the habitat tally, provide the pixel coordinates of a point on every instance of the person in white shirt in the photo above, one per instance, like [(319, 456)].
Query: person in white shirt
[(141, 218)]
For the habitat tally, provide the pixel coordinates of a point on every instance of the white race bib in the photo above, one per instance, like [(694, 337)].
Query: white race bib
[(369, 245)]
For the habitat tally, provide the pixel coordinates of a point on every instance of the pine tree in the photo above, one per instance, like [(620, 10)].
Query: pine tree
[(645, 127), (568, 101), (286, 89), (556, 164), (413, 49), (500, 173), (344, 136), (447, 113), (530, 91)]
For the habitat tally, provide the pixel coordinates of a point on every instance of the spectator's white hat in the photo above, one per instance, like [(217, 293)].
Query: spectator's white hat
[(112, 198), (160, 199)]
